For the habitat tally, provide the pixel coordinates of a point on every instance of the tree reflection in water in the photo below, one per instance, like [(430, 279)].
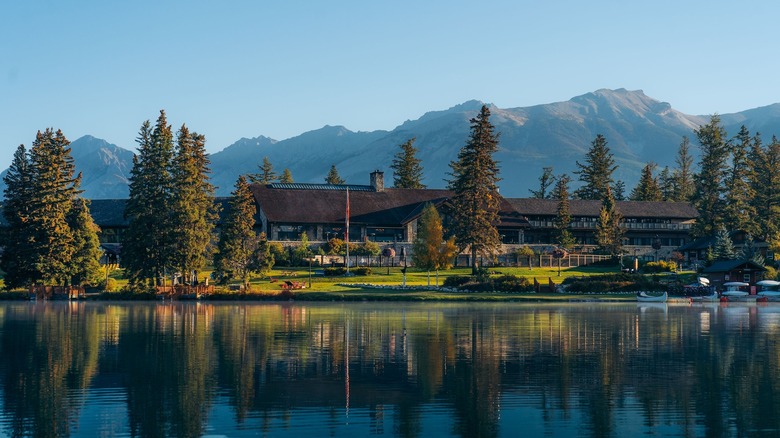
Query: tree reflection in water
[(369, 369)]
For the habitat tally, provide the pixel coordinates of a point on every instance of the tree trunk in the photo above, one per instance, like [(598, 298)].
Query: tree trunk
[(474, 266)]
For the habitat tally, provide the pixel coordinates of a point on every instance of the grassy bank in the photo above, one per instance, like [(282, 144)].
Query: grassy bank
[(348, 288)]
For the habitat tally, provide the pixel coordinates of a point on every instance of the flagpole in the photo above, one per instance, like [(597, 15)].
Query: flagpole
[(346, 234)]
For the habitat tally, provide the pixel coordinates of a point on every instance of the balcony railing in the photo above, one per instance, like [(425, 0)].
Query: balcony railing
[(626, 225)]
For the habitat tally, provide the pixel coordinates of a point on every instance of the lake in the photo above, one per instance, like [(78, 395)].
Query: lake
[(367, 369)]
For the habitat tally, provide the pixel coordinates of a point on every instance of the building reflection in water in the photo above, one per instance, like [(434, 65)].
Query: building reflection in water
[(175, 369)]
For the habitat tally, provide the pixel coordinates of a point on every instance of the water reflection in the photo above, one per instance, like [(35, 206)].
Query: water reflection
[(191, 369)]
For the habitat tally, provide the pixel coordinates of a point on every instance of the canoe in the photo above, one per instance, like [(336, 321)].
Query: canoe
[(643, 297), (734, 293), (713, 298)]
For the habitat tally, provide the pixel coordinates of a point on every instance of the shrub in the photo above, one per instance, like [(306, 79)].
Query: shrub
[(456, 281), (476, 286), (109, 285), (660, 266), (771, 273), (363, 270), (512, 283), (613, 283), (333, 272)]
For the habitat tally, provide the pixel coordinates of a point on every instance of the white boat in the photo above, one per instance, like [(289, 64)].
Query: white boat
[(732, 289), (768, 292), (712, 298), (643, 297)]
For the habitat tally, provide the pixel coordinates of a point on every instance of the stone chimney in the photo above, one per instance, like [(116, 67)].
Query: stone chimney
[(378, 180)]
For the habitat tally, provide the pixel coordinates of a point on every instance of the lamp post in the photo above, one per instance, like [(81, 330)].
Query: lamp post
[(403, 270), (636, 260), (308, 253)]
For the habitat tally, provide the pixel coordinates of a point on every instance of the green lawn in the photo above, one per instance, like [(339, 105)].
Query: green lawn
[(337, 288)]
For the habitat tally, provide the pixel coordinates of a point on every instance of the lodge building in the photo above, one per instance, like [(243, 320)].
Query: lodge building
[(389, 216)]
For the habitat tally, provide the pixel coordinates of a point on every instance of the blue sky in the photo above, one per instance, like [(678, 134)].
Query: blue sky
[(237, 69)]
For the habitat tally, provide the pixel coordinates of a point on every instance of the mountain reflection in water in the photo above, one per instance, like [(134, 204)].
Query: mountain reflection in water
[(362, 369)]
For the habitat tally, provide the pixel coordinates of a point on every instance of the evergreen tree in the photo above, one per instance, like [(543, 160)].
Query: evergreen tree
[(619, 190), (193, 211), (546, 180), (237, 238), (683, 175), (84, 266), (563, 218), (666, 184), (475, 199), (147, 249), (262, 260), (17, 259), (286, 177), (54, 187), (724, 246), (596, 173), (333, 176), (647, 189), (429, 250), (764, 181), (749, 249), (738, 213), (407, 171), (709, 187), (609, 233), (266, 174)]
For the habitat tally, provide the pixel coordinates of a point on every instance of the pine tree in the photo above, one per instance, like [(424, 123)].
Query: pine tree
[(475, 200), (193, 212), (407, 171), (709, 189), (563, 218), (429, 250), (666, 184), (609, 233), (333, 176), (546, 179), (147, 249), (596, 173), (54, 187), (17, 259), (619, 190), (764, 180), (237, 238), (286, 177), (647, 189), (262, 260), (738, 214), (84, 266), (683, 175), (266, 174), (724, 246)]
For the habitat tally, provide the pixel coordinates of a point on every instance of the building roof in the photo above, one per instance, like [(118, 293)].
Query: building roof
[(730, 265), (629, 209), (388, 207), (110, 213)]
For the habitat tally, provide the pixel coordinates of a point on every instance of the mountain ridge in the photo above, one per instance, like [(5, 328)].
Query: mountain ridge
[(638, 129)]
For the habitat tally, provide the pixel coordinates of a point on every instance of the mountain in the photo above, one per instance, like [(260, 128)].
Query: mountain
[(105, 168), (638, 129)]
